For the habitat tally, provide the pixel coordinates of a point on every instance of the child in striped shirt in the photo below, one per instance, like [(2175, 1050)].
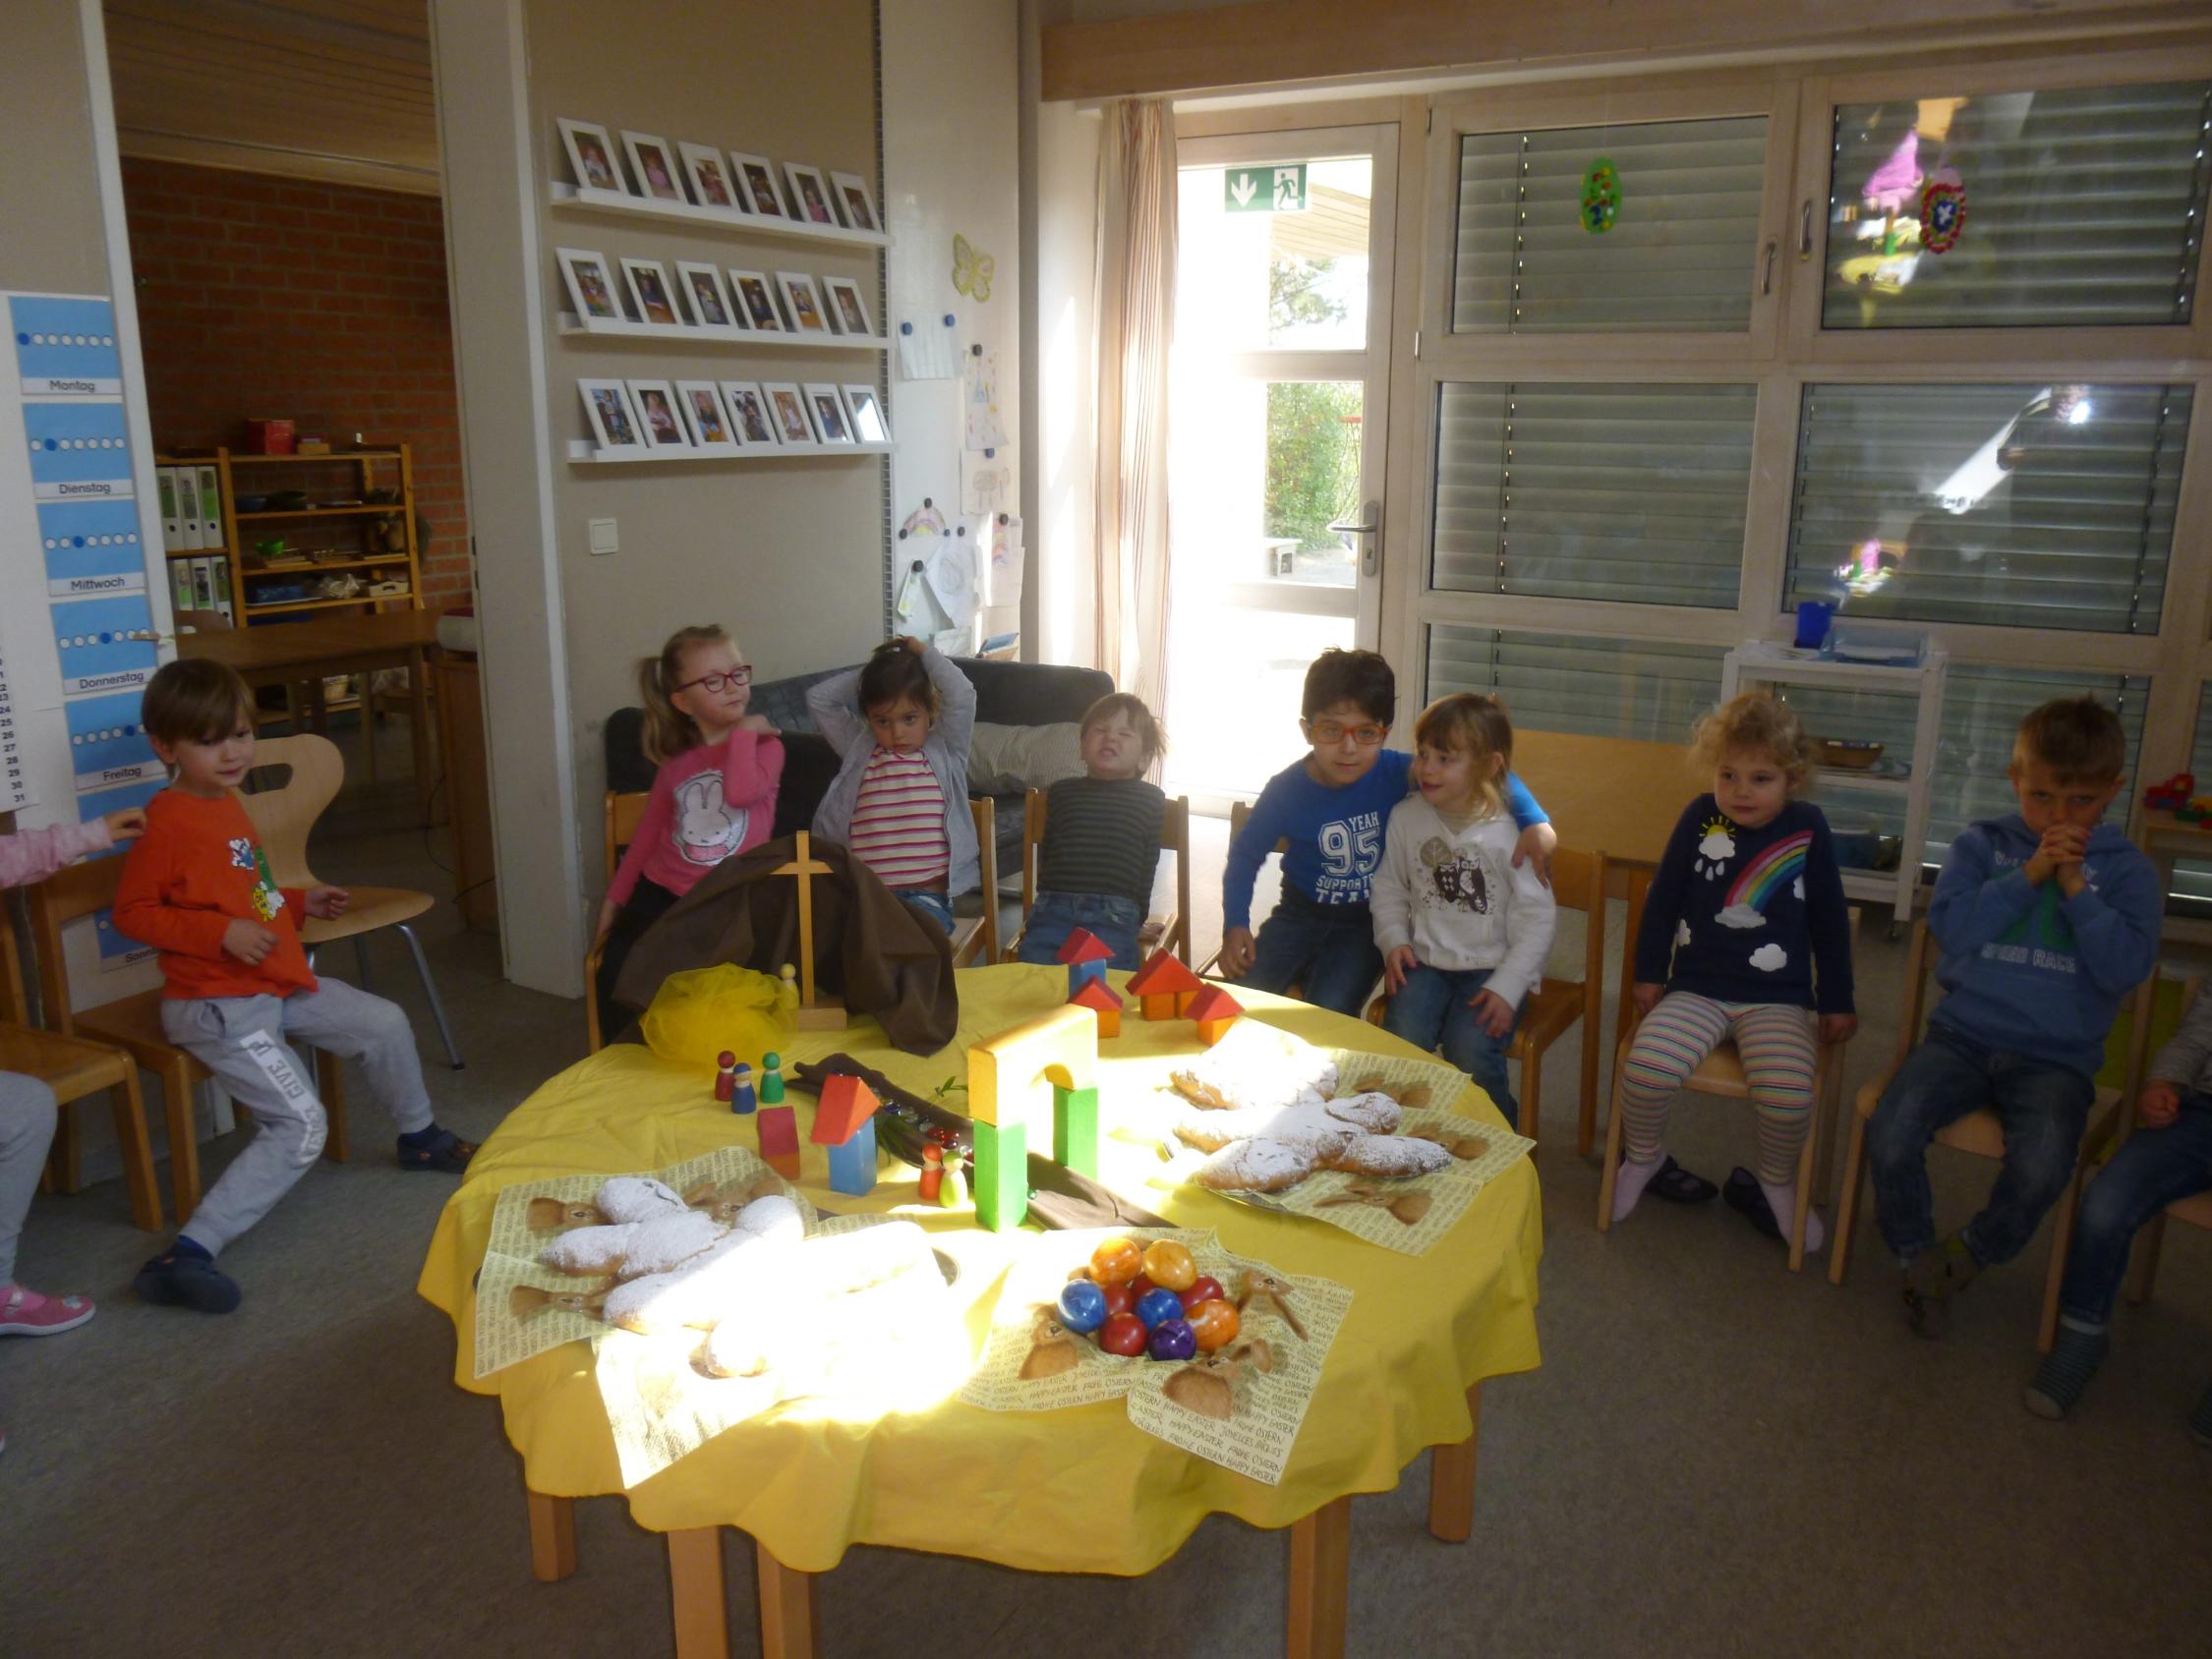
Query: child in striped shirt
[(902, 722), (1102, 838)]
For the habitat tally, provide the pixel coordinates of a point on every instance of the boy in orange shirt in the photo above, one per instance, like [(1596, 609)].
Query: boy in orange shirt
[(196, 886)]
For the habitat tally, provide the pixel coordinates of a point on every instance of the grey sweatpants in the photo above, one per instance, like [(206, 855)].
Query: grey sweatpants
[(27, 1130), (242, 1041)]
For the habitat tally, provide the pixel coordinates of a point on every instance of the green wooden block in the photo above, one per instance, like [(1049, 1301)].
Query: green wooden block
[(1002, 1175), (1075, 1129)]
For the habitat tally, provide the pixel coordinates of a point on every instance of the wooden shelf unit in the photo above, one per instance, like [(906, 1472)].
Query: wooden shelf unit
[(395, 462)]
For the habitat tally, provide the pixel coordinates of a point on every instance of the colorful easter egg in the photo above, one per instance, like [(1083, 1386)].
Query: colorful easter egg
[(1159, 1305), (1169, 1264), (1173, 1338), (1116, 1262), (1204, 1289), (1083, 1307), (1214, 1324), (1123, 1334)]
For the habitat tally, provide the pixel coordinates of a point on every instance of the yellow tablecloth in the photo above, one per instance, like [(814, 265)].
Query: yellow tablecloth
[(1079, 1490)]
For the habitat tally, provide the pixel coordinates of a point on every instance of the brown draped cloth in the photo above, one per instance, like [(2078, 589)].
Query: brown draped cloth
[(869, 950)]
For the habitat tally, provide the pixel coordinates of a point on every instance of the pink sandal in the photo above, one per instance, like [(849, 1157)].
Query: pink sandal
[(27, 1313)]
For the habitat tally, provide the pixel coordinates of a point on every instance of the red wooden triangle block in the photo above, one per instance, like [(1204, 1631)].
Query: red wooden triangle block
[(847, 1103)]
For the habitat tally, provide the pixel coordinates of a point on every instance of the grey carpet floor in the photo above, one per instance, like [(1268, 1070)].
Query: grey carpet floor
[(1717, 1456)]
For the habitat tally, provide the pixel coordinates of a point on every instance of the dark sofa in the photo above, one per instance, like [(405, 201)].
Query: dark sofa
[(1006, 694)]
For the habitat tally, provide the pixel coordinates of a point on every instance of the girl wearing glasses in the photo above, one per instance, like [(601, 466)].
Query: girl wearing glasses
[(712, 796)]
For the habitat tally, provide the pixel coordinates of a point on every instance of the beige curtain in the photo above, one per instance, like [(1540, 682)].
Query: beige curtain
[(1136, 311)]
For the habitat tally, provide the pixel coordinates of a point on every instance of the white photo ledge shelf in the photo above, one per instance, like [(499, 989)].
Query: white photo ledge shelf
[(584, 450), (586, 198), (698, 336)]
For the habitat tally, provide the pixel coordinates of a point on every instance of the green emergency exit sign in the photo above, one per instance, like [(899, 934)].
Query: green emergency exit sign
[(1274, 189)]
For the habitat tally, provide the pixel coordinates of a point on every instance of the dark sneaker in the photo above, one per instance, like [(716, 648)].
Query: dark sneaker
[(182, 1280)]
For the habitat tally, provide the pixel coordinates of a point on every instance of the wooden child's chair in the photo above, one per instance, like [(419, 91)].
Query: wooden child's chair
[(1981, 1132), (1578, 883), (77, 1070), (133, 1024), (976, 938), (1171, 932), (2197, 1209), (1240, 814), (1721, 1073), (624, 811)]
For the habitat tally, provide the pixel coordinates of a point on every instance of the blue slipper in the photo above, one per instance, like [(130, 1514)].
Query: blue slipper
[(180, 1279)]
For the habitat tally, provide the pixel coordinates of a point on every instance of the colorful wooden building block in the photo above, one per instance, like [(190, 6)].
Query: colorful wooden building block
[(1216, 1011), (1103, 1001), (845, 1123), (778, 1140), (1008, 1082), (1085, 955), (1164, 986)]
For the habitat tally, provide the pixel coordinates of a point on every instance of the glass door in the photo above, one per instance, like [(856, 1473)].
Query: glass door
[(1280, 387)]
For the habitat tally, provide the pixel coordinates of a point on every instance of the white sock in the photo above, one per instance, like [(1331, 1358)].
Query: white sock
[(1782, 1200), (1629, 1184)]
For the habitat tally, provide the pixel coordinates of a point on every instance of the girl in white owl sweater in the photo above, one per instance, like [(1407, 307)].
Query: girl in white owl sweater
[(1463, 934)]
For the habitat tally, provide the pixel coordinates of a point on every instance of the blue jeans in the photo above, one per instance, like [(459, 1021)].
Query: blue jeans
[(1434, 1004), (2043, 1106), (1115, 921), (1327, 951), (2153, 1169), (924, 901)]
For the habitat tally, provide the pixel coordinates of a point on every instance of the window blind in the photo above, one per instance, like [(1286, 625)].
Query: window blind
[(1571, 682), (2083, 205), (2019, 506), (1679, 255), (1626, 492)]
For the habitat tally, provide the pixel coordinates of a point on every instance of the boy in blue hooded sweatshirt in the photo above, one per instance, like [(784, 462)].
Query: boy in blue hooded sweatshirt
[(2046, 919)]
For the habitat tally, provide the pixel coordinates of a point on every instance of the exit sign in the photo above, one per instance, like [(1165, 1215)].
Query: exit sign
[(1264, 189)]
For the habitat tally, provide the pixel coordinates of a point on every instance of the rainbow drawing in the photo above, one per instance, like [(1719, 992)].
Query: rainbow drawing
[(1756, 884)]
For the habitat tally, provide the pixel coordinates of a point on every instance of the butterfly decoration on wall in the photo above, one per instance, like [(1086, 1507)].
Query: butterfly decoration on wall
[(973, 269)]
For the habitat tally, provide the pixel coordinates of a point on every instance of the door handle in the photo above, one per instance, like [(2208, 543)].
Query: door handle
[(1371, 554), (1767, 281), (1805, 230)]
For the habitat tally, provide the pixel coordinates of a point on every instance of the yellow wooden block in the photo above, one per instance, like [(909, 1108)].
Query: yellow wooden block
[(1009, 1076)]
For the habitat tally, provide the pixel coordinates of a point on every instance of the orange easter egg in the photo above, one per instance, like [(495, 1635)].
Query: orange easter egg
[(1214, 1324), (1116, 1262), (1169, 1265)]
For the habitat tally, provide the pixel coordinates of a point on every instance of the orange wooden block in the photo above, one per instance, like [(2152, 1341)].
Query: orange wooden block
[(1100, 998), (1164, 986), (1215, 1011)]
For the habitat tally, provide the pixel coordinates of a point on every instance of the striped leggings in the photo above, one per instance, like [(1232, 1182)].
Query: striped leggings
[(1774, 1041)]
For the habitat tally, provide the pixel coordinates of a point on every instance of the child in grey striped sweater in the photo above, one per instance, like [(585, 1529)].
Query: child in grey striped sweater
[(1102, 836)]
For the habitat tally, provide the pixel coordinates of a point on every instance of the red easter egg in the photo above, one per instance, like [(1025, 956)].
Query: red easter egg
[(1139, 1285), (1203, 1289), (1118, 1300), (1215, 1324), (1123, 1334), (1116, 1261)]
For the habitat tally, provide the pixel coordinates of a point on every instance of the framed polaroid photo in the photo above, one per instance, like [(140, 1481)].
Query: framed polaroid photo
[(702, 290), (591, 285), (826, 406), (756, 300), (705, 417), (749, 419), (848, 311), (658, 423), (802, 301), (659, 178), (650, 291), (787, 407), (590, 156), (864, 405), (855, 205), (615, 422), (810, 194), (708, 174), (755, 176)]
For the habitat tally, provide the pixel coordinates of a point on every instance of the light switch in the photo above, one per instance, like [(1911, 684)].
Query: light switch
[(604, 539)]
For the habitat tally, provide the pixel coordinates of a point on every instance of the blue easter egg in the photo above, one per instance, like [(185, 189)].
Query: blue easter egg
[(1159, 1305), (1173, 1338), (1083, 1307)]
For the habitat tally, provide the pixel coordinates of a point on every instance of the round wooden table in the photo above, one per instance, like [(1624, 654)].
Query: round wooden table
[(1077, 1489)]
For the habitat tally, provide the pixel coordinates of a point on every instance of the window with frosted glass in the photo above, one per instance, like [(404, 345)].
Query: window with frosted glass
[(2193, 877), (1677, 249), (1983, 706), (2063, 208), (2021, 506), (1625, 492), (1575, 682)]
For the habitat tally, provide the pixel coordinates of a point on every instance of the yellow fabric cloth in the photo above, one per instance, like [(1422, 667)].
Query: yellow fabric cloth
[(1079, 1490)]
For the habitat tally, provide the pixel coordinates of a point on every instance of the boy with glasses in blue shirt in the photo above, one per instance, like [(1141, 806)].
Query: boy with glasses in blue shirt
[(1329, 809)]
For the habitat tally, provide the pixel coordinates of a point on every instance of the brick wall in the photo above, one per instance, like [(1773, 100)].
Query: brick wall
[(266, 296)]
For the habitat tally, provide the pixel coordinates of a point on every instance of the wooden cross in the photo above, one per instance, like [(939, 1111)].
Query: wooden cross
[(814, 1014)]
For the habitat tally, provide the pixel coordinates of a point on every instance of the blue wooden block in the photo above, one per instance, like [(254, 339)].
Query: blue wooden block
[(853, 1161), (1081, 974)]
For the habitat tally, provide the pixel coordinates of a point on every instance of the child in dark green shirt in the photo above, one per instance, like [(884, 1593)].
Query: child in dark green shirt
[(1102, 836)]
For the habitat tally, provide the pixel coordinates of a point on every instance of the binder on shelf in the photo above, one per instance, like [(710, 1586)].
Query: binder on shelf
[(218, 575), (210, 509), (202, 585), (172, 529), (188, 508), (179, 584)]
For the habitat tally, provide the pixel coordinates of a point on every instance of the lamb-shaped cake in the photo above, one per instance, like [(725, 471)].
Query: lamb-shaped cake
[(1262, 1113)]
